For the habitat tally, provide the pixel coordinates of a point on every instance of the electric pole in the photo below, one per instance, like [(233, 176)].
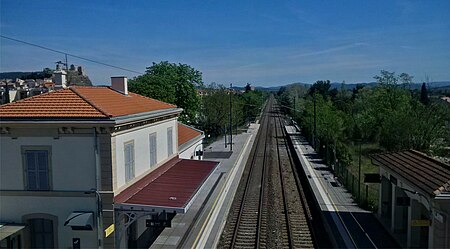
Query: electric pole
[(359, 172), (231, 124), (315, 123), (67, 65)]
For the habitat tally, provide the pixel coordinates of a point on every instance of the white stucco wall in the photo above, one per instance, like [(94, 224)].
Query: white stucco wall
[(140, 137), (72, 167), (72, 161), (189, 152), (13, 208)]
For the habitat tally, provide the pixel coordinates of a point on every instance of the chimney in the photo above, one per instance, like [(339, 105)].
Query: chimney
[(60, 79), (120, 84)]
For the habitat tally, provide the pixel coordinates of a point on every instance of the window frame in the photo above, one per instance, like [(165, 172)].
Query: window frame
[(125, 144), (24, 150)]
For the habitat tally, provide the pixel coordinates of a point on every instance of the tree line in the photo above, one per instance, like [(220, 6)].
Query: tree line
[(181, 84), (389, 115)]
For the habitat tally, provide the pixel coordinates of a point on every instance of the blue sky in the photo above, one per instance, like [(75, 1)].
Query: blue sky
[(265, 43)]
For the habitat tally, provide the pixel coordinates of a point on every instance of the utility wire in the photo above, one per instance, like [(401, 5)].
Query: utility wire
[(75, 56)]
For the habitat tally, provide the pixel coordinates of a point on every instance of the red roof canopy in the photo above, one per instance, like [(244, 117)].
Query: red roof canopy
[(171, 186)]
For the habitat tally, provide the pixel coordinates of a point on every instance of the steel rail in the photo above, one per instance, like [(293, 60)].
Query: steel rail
[(303, 198), (283, 190), (247, 183)]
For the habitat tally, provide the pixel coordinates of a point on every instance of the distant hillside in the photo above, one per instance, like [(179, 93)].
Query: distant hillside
[(269, 89), (351, 86), (25, 75), (413, 86)]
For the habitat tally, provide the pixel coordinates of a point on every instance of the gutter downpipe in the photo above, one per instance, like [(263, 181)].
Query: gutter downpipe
[(97, 194)]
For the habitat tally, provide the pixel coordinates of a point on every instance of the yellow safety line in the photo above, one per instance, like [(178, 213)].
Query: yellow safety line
[(215, 203)]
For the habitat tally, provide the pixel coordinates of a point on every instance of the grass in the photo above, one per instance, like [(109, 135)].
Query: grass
[(366, 167)]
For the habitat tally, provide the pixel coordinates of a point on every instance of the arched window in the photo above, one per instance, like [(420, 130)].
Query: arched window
[(41, 233)]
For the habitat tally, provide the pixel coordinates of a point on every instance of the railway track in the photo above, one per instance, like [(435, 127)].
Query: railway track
[(269, 209), (298, 217), (244, 227)]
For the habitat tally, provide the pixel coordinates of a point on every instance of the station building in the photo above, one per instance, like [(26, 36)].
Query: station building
[(414, 201), (88, 167)]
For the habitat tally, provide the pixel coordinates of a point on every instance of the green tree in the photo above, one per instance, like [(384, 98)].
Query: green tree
[(252, 102), (321, 87), (424, 95), (172, 83), (248, 88)]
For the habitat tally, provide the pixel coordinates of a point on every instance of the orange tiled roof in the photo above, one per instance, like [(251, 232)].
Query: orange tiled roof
[(81, 102), (63, 104), (186, 133), (116, 104)]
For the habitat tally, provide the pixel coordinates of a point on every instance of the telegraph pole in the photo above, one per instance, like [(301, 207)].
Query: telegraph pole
[(359, 172), (315, 124), (231, 124), (67, 65), (294, 107)]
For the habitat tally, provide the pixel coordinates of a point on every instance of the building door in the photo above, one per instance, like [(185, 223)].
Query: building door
[(41, 233)]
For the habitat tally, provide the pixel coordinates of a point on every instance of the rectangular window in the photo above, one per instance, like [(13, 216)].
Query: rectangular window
[(153, 145), (37, 171), (129, 160), (169, 141)]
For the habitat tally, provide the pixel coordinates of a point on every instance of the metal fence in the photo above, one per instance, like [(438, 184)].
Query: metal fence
[(366, 195)]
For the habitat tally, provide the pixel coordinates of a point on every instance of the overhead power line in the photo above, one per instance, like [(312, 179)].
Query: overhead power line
[(69, 54)]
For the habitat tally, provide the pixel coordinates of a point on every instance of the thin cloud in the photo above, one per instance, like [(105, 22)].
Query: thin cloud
[(331, 50)]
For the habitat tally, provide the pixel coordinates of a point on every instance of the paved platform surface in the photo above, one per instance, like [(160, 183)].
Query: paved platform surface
[(202, 224), (352, 226)]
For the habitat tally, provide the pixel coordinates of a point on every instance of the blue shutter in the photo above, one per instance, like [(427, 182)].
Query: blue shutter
[(37, 172), (43, 174), (129, 161), (169, 141), (153, 155)]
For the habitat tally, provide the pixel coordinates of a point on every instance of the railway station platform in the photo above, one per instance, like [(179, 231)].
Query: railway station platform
[(202, 224), (349, 225)]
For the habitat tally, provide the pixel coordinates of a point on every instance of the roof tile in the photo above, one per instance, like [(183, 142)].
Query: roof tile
[(186, 133), (426, 173), (117, 104), (62, 103), (82, 102)]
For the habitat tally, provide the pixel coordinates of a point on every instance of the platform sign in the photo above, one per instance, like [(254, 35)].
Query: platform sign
[(76, 243), (158, 223), (109, 230), (420, 223)]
